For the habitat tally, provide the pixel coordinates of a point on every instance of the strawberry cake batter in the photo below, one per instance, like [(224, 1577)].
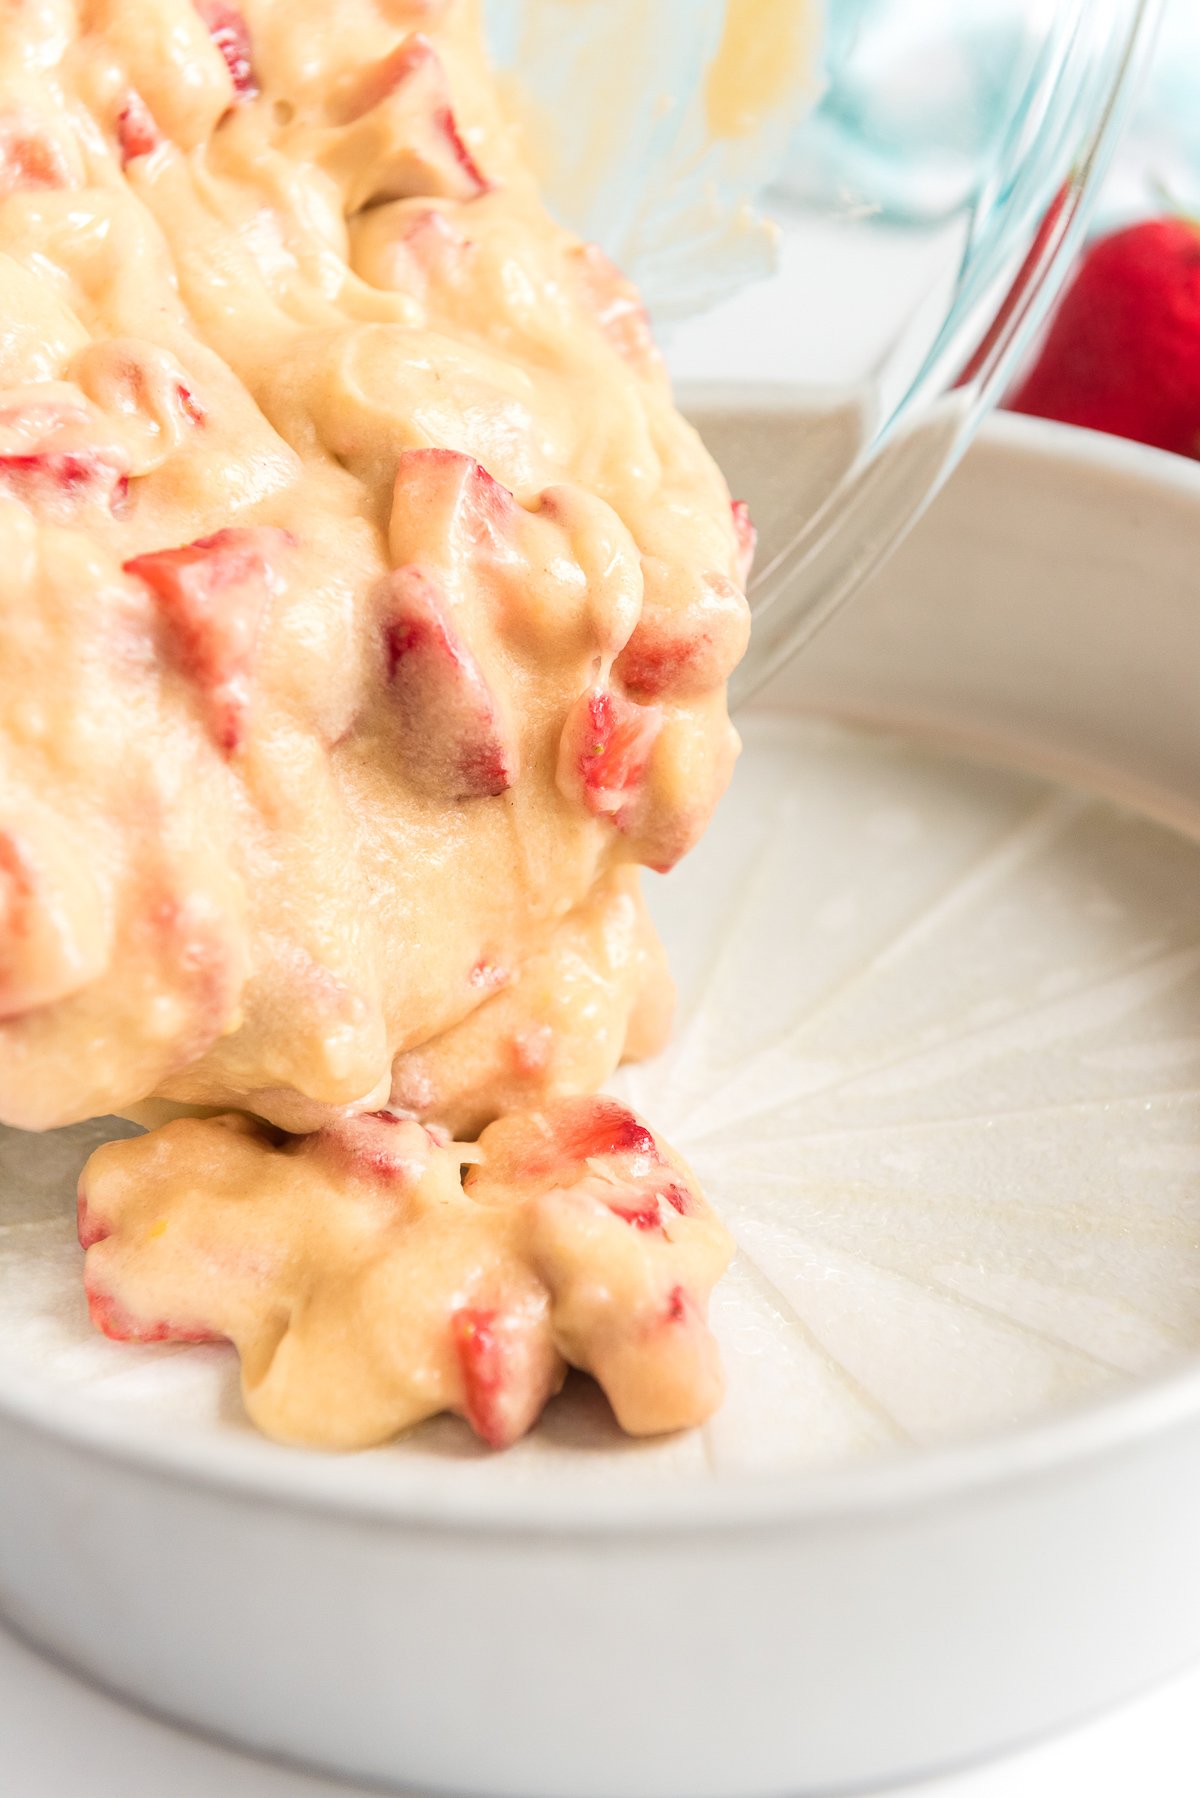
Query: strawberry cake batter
[(368, 609)]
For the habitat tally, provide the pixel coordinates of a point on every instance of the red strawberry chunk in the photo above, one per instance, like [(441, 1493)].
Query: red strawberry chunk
[(414, 59), (658, 661), (212, 596), (189, 405), (575, 1159), (125, 378), (29, 159), (507, 1372), (466, 169), (618, 306), (456, 741), (64, 479), (455, 498), (376, 1146), (640, 1211), (606, 745), (488, 976), (137, 134), (114, 1320), (679, 1306), (559, 1143), (679, 1198), (746, 533), (400, 138), (410, 247), (229, 32), (601, 1126), (481, 1359), (687, 648), (89, 1227)]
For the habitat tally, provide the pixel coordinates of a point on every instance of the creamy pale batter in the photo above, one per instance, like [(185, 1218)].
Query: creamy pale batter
[(366, 1289), (368, 609)]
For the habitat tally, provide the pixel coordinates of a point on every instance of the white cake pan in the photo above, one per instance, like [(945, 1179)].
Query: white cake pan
[(939, 1063)]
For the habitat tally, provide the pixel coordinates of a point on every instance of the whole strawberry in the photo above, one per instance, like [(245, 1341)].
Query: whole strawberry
[(1123, 352)]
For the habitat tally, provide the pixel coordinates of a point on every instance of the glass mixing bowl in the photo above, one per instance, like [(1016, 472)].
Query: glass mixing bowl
[(846, 220)]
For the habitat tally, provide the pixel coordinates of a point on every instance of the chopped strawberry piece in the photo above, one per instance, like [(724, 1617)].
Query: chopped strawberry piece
[(89, 1228), (688, 648), (643, 1335), (63, 480), (481, 1360), (679, 1198), (409, 247), (189, 405), (661, 660), (118, 1323), (606, 746), (453, 496), (507, 1373), (488, 977), (471, 174), (456, 742), (414, 57), (618, 306), (400, 137), (137, 134), (376, 1146), (679, 1306), (28, 158), (229, 32), (124, 377), (560, 1142), (615, 749), (641, 1212), (601, 1126), (212, 596), (746, 533)]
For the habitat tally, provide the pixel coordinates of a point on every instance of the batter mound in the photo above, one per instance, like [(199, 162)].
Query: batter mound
[(368, 610)]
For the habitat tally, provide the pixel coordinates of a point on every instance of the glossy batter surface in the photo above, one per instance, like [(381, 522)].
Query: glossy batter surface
[(368, 609)]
